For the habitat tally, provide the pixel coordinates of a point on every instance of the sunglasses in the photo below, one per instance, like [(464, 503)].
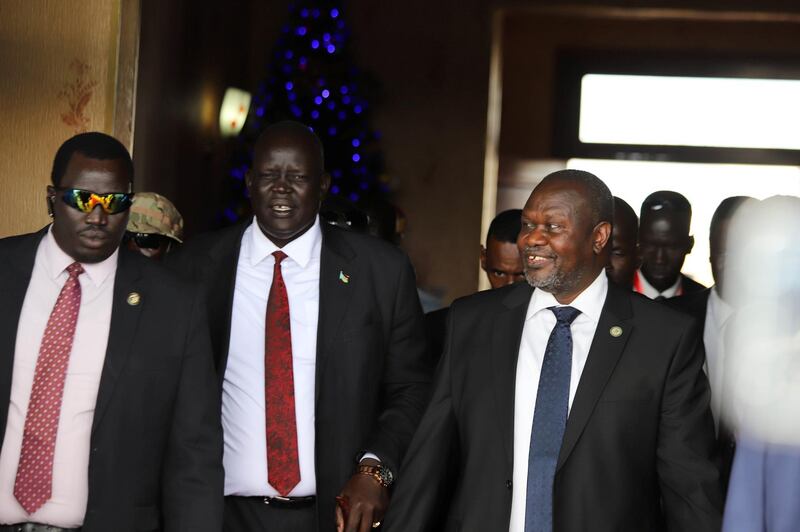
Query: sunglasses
[(85, 200), (147, 240)]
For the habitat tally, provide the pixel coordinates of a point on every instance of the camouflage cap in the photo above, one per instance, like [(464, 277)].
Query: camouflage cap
[(152, 213)]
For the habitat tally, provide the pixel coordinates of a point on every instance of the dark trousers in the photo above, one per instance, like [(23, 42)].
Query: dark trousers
[(250, 514)]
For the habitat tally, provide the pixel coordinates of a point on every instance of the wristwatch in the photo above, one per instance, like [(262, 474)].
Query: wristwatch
[(380, 472)]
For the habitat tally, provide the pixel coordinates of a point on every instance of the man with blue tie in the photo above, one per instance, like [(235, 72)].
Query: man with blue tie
[(572, 404)]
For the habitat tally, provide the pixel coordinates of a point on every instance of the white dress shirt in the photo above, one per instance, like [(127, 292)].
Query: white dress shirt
[(243, 414), (643, 287), (539, 323), (67, 505), (717, 314)]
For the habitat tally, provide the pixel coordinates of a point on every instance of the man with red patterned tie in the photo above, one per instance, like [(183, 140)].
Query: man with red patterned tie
[(109, 418), (319, 342)]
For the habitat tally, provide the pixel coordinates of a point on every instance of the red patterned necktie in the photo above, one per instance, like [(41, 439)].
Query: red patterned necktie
[(34, 483), (282, 463)]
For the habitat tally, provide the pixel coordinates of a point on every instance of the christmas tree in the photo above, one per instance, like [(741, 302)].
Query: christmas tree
[(311, 78)]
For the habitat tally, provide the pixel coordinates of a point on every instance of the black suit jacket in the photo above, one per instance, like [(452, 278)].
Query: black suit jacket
[(696, 304), (693, 304), (372, 371), (639, 433), (435, 332), (156, 441), (690, 286)]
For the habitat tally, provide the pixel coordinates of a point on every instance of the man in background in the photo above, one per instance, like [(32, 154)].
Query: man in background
[(109, 419), (155, 227), (664, 242), (713, 309), (501, 261), (624, 259)]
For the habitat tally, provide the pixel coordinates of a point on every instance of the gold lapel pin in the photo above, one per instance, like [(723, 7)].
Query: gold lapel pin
[(343, 277), (615, 331), (134, 299)]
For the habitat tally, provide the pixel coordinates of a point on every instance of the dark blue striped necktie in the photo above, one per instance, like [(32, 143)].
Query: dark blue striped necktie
[(549, 422)]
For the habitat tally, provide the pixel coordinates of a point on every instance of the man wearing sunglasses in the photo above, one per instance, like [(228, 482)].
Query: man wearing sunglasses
[(109, 420), (319, 343)]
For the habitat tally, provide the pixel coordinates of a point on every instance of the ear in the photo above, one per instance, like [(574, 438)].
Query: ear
[(248, 181), (324, 185), (691, 244), (600, 236), (51, 198), (483, 258)]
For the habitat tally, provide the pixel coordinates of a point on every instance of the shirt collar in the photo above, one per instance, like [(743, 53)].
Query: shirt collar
[(301, 250), (589, 302), (56, 261), (652, 292)]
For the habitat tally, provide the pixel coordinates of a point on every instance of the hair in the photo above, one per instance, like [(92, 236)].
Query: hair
[(666, 201), (294, 129), (94, 145), (725, 211), (599, 198), (506, 226), (623, 209)]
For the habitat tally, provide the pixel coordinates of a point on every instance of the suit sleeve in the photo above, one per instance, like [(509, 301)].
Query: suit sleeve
[(690, 487), (192, 479), (419, 502), (406, 377)]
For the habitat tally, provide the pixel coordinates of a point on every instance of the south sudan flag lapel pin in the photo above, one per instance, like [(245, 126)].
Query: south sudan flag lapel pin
[(343, 277)]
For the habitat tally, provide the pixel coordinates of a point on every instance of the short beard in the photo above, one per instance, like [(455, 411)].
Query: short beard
[(558, 282)]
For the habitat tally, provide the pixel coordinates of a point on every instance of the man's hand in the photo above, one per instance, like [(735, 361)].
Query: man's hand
[(362, 502)]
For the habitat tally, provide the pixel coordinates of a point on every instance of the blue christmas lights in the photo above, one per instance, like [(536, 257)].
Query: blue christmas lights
[(311, 79)]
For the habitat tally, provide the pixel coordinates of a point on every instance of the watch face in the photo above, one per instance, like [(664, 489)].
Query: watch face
[(386, 475)]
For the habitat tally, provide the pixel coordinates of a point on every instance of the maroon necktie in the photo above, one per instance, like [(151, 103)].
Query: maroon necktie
[(282, 464), (34, 483)]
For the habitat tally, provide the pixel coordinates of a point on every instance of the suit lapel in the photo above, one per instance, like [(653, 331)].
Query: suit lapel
[(603, 356), (338, 279), (121, 334), (225, 260), (506, 337), (14, 283)]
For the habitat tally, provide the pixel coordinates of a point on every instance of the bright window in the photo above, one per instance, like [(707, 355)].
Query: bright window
[(690, 111)]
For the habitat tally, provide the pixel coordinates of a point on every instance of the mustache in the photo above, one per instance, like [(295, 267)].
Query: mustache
[(94, 229), (541, 252)]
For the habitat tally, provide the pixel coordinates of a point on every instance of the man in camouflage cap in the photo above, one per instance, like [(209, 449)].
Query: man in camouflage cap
[(154, 225)]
